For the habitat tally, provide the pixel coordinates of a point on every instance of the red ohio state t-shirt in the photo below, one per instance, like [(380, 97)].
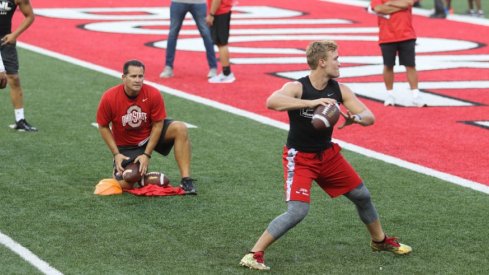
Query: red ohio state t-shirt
[(225, 7), (399, 27), (131, 118)]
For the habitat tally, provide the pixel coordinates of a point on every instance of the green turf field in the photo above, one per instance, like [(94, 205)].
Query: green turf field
[(47, 180)]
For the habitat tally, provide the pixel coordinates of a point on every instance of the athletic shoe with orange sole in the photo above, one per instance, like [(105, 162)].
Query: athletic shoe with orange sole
[(392, 245)]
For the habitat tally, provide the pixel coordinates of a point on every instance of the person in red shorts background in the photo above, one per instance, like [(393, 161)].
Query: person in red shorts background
[(310, 155)]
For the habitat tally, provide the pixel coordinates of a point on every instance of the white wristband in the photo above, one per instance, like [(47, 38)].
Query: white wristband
[(2, 68)]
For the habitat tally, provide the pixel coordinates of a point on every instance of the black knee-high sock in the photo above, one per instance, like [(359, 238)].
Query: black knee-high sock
[(226, 70)]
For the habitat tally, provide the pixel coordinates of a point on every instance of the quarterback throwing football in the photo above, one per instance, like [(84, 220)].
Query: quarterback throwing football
[(310, 155)]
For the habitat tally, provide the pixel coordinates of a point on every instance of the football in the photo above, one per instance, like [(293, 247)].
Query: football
[(155, 178), (131, 173), (325, 117)]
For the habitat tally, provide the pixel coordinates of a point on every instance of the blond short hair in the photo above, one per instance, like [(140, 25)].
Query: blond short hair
[(317, 50)]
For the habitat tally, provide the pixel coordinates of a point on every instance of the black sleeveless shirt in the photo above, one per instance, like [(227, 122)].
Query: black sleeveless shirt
[(7, 10), (302, 135)]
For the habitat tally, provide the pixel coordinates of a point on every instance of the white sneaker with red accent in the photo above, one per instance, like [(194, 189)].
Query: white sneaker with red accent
[(392, 245), (254, 261)]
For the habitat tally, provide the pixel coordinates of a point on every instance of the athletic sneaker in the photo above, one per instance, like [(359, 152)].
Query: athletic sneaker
[(23, 126), (167, 72), (254, 261), (221, 78), (389, 100), (392, 245), (187, 184), (418, 101), (212, 72)]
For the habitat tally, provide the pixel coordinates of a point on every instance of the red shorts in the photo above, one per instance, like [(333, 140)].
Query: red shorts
[(328, 168)]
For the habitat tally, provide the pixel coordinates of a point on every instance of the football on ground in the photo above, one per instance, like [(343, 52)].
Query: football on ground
[(131, 173), (155, 178), (325, 117)]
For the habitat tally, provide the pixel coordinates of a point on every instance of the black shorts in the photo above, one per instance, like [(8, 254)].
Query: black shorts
[(405, 49), (10, 58), (220, 29), (133, 152)]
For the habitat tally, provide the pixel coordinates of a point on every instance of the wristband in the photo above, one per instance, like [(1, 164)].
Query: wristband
[(2, 67), (148, 155), (211, 14), (115, 154), (357, 118)]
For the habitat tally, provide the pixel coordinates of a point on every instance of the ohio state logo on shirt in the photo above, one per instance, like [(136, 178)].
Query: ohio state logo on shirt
[(134, 117)]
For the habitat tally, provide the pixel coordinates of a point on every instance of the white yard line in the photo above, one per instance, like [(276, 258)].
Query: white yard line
[(27, 255)]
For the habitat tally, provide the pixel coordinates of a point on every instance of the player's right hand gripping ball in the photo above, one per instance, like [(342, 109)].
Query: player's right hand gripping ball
[(155, 178), (325, 117), (131, 173)]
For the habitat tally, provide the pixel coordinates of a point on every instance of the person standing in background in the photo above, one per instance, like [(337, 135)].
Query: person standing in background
[(178, 11), (8, 50), (397, 37), (219, 20)]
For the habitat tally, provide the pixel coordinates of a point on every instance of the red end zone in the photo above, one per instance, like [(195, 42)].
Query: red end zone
[(267, 45)]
